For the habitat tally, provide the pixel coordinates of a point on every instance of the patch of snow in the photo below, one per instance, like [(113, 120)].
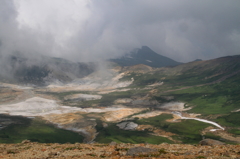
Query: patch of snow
[(205, 121), (214, 129), (202, 120)]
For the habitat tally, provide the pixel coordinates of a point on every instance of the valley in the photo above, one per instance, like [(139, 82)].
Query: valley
[(131, 104)]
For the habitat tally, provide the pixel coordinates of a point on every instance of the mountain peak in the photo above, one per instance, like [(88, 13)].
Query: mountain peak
[(145, 56), (145, 48)]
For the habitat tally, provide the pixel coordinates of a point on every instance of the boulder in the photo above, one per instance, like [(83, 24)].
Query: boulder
[(210, 142), (25, 141), (136, 151), (127, 125)]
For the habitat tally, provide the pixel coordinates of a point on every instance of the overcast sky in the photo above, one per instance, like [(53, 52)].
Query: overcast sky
[(82, 30)]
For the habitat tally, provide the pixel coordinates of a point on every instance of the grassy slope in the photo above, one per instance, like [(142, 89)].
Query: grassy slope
[(200, 87), (35, 130), (188, 131), (213, 98), (113, 133), (220, 99)]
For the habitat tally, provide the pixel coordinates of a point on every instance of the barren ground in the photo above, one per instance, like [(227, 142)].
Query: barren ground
[(117, 151)]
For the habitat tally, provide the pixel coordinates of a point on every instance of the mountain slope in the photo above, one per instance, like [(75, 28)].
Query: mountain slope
[(210, 87), (145, 56), (42, 70)]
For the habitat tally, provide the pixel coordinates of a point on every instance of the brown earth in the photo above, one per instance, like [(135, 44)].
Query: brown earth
[(28, 150), (7, 95), (223, 134), (157, 132), (117, 115)]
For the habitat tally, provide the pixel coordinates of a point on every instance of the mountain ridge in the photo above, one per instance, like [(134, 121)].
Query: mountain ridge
[(145, 56), (43, 70)]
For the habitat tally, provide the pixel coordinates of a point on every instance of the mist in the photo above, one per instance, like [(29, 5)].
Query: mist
[(93, 30)]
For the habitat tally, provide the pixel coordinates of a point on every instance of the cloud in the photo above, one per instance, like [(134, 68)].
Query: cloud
[(86, 30)]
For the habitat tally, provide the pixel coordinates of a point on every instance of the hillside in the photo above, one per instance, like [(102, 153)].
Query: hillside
[(43, 70), (145, 56), (131, 104)]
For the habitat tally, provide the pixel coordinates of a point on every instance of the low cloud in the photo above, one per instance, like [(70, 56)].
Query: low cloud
[(89, 30)]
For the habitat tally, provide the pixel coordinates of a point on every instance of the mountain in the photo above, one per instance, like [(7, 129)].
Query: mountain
[(145, 56), (43, 70), (198, 60)]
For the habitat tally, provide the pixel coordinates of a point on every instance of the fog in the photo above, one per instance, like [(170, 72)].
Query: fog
[(92, 30)]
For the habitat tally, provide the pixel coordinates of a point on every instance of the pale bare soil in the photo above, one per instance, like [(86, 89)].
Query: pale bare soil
[(92, 83)]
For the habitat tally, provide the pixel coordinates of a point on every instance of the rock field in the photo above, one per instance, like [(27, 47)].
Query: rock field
[(205, 149)]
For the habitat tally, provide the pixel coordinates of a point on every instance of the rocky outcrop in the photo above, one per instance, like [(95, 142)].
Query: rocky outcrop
[(127, 125), (137, 151), (211, 142)]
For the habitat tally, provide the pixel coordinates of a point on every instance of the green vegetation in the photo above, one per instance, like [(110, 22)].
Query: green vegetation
[(35, 130), (235, 131), (231, 119), (204, 100), (211, 88), (212, 136), (219, 98), (188, 131), (219, 138), (157, 121), (113, 133)]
